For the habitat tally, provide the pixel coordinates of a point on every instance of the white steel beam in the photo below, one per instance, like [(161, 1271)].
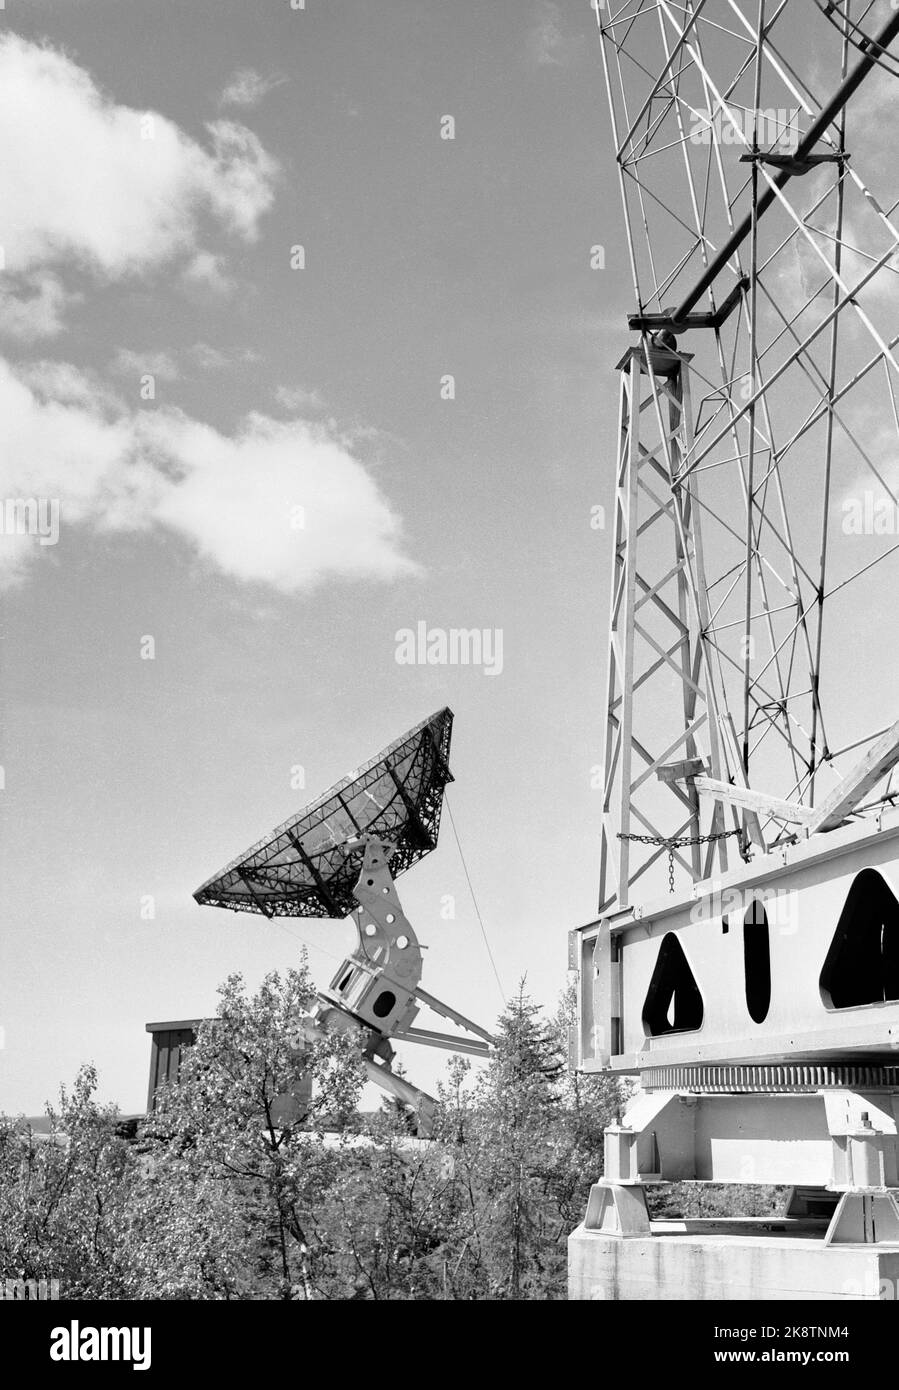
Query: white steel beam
[(880, 757)]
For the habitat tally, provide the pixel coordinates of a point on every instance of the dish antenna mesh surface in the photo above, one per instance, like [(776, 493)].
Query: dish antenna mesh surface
[(307, 868)]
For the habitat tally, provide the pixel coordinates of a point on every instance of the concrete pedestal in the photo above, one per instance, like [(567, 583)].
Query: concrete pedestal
[(767, 1259)]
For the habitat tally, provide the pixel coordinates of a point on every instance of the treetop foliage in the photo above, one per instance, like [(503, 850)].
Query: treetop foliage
[(245, 1183)]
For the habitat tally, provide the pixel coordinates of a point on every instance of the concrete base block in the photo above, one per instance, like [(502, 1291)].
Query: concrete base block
[(768, 1259)]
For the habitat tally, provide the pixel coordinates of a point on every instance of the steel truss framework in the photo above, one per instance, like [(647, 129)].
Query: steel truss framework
[(749, 135)]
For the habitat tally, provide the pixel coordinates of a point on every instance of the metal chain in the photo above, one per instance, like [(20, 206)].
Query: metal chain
[(681, 843)]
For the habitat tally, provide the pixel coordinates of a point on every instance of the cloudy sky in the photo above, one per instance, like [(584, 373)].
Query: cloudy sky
[(258, 470), (301, 373)]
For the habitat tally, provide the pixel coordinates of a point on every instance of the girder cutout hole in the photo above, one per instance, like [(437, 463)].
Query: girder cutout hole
[(757, 961), (384, 1004), (862, 964), (673, 1002)]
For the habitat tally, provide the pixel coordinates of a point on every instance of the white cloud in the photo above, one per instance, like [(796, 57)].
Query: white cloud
[(875, 104), (208, 358), (167, 366), (67, 385), (241, 501), (114, 190), (239, 181), (247, 87), (32, 305), (547, 43), (806, 272), (206, 271), (68, 446), (279, 503), (161, 365), (299, 399)]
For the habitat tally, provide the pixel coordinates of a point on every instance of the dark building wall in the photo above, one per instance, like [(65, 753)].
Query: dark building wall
[(170, 1041)]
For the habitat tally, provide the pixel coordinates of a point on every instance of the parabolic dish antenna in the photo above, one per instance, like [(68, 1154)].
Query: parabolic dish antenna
[(341, 855), (309, 866)]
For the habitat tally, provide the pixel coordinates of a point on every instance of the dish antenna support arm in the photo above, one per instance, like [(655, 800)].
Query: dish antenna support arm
[(378, 986)]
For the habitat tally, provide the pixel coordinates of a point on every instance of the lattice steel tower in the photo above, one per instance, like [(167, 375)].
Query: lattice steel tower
[(752, 155)]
